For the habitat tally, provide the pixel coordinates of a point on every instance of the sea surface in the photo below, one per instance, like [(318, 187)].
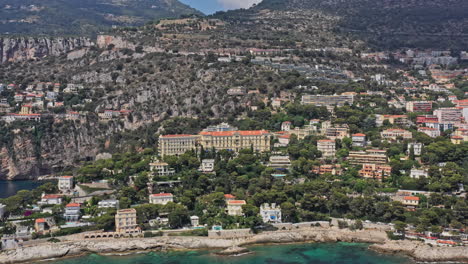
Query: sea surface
[(318, 253), (9, 188)]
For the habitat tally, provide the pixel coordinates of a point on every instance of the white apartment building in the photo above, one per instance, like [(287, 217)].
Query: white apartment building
[(327, 147)]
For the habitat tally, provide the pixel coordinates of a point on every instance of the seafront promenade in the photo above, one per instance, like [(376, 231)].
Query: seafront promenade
[(73, 246)]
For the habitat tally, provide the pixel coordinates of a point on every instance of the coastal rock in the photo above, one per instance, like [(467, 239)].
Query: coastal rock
[(423, 252), (232, 251)]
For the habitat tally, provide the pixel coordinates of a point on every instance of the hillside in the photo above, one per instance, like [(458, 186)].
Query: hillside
[(83, 17), (391, 23)]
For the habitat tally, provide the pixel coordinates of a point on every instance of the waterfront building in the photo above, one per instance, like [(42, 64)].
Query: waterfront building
[(234, 207), (126, 221), (270, 213), (72, 212)]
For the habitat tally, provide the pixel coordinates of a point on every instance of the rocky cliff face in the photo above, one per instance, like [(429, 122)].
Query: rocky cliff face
[(28, 156), (25, 48)]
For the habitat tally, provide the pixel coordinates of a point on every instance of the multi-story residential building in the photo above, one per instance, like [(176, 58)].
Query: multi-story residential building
[(449, 114), (396, 133), (207, 165), (270, 213), (286, 126), (359, 140), (220, 128), (375, 171), (426, 118), (432, 132), (234, 207), (161, 168), (419, 106), (333, 169), (72, 212), (258, 140), (65, 183), (418, 173), (110, 203), (337, 132), (161, 198), (328, 100), (371, 156), (126, 221), (279, 162), (170, 145), (327, 147), (400, 120), (417, 148)]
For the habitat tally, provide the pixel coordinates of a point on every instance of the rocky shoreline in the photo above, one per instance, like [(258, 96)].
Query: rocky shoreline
[(380, 243)]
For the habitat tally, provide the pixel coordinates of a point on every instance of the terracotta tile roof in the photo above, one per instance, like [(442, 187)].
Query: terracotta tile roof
[(229, 196), (51, 196), (237, 202), (176, 136), (231, 133), (40, 220), (162, 195), (73, 205), (325, 140), (411, 198), (359, 135), (66, 177)]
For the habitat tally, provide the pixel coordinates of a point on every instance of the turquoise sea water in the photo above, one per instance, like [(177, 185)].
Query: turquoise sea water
[(320, 253), (9, 188)]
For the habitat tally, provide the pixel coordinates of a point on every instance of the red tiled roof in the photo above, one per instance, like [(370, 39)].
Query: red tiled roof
[(359, 135), (73, 205), (411, 198), (51, 196), (175, 136), (40, 220), (229, 196), (231, 133), (237, 202), (162, 194), (66, 177)]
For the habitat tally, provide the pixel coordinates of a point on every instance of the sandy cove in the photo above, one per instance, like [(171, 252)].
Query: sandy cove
[(414, 249)]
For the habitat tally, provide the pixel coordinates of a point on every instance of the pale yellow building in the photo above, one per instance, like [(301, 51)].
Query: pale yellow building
[(327, 147), (170, 145), (126, 221), (259, 140)]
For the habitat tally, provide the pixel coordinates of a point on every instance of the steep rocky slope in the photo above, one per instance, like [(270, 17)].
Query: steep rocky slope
[(26, 48)]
